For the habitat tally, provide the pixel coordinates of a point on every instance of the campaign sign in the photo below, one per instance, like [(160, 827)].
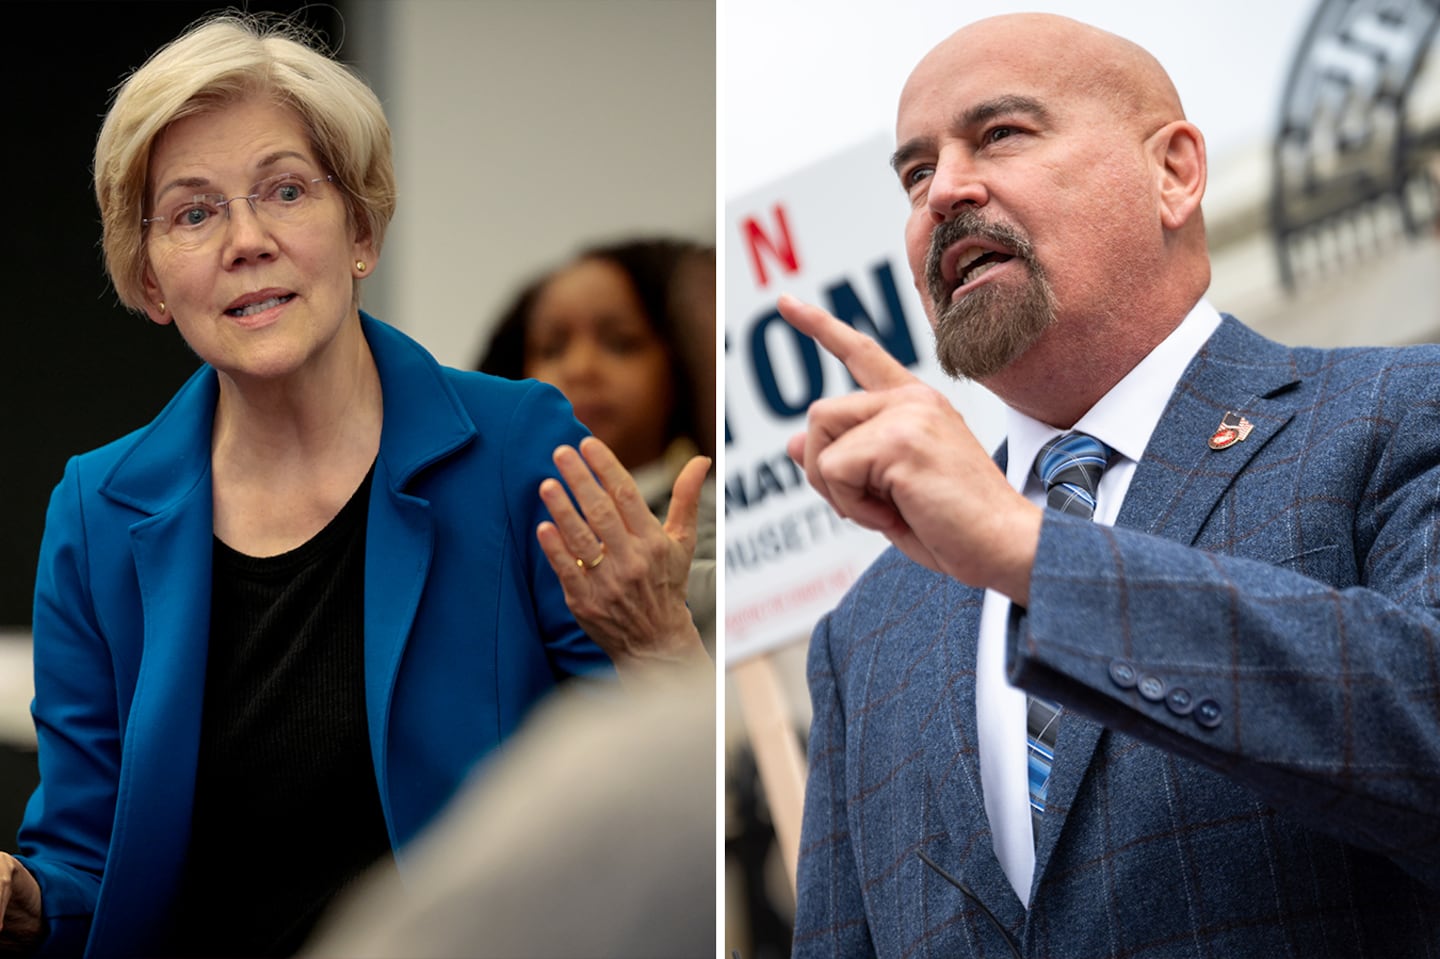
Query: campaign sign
[(830, 234)]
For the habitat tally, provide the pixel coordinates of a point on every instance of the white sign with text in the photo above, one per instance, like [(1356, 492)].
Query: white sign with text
[(830, 234)]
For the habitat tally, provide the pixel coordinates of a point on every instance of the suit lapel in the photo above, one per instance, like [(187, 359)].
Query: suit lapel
[(1181, 478), (962, 842), (1176, 486), (951, 816)]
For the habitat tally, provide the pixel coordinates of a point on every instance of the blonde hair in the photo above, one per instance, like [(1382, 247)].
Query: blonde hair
[(218, 61)]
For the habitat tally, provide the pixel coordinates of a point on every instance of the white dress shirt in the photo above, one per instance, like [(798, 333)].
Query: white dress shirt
[(1123, 419)]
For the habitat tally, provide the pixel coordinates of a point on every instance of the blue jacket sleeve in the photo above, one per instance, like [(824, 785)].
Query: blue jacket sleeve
[(65, 835)]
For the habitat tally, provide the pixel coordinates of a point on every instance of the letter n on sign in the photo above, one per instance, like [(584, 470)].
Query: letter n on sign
[(776, 244)]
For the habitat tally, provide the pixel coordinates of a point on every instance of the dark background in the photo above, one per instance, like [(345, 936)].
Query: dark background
[(76, 369)]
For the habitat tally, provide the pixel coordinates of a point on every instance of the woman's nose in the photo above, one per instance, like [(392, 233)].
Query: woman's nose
[(247, 235)]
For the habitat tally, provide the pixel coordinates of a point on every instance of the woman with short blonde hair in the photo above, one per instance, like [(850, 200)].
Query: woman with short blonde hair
[(221, 61)]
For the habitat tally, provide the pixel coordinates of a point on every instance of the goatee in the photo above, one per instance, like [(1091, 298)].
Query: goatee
[(984, 331)]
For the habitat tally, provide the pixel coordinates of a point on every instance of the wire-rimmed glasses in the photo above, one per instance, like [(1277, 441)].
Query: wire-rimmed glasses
[(195, 219)]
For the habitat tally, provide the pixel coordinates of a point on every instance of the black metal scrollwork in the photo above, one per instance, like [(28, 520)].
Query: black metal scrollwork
[(1349, 163)]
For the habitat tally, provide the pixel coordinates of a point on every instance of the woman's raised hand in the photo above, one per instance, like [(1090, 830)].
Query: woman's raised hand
[(624, 573)]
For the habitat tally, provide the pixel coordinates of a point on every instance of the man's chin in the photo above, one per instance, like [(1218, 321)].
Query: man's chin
[(983, 332), (960, 362)]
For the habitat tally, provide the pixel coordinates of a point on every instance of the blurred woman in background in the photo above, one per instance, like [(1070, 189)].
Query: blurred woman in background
[(616, 329)]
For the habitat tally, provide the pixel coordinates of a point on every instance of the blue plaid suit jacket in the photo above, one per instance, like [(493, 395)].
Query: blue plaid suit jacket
[(1292, 579)]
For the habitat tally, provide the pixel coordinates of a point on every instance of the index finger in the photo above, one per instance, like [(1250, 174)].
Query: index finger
[(867, 361)]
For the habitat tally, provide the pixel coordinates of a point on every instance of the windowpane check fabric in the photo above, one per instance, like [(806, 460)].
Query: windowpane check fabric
[(1303, 825), (1070, 466)]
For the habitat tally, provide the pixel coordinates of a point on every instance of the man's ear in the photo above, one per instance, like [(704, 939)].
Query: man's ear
[(155, 306), (1178, 149)]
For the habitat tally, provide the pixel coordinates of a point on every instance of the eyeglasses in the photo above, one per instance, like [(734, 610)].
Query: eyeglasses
[(196, 219)]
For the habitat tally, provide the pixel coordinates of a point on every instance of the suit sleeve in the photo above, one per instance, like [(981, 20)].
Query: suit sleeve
[(830, 914), (65, 835), (1323, 698)]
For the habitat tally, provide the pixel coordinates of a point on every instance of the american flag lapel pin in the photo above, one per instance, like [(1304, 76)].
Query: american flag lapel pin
[(1233, 429)]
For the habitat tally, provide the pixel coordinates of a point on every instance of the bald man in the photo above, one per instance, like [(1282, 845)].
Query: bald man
[(1161, 677)]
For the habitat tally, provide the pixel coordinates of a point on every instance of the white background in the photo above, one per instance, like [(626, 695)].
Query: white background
[(806, 78)]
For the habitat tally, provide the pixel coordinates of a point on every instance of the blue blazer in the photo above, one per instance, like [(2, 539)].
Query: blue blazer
[(465, 628), (1249, 759)]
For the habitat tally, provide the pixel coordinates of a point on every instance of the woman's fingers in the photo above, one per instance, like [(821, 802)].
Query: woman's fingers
[(622, 495), (597, 505), (623, 573), (683, 516), (568, 567), (573, 533)]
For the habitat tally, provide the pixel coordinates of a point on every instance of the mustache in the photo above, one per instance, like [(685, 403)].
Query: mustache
[(968, 223)]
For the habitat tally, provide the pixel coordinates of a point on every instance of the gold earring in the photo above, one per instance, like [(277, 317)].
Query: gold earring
[(360, 265), (162, 306)]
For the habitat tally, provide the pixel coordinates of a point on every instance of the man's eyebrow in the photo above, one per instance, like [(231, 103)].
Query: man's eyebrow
[(1007, 105), (1011, 103), (908, 150)]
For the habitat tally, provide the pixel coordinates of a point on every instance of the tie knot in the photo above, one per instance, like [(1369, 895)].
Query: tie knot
[(1070, 466)]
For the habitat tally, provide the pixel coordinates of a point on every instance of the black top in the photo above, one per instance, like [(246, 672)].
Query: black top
[(286, 808)]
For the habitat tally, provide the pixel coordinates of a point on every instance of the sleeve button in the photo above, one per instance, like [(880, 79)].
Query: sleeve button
[(1152, 688), (1207, 713), (1180, 702), (1123, 674)]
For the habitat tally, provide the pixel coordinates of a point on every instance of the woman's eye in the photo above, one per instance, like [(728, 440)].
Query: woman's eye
[(288, 191), (193, 215), (548, 349), (622, 343)]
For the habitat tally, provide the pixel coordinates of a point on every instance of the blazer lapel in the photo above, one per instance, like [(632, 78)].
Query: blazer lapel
[(962, 842), (950, 821), (1176, 487), (172, 560), (399, 543), (167, 476), (424, 422), (1181, 478)]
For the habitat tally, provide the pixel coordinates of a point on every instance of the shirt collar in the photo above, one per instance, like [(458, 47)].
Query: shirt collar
[(1123, 418)]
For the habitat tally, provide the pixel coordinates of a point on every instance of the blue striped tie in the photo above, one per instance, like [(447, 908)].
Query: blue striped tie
[(1070, 466)]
